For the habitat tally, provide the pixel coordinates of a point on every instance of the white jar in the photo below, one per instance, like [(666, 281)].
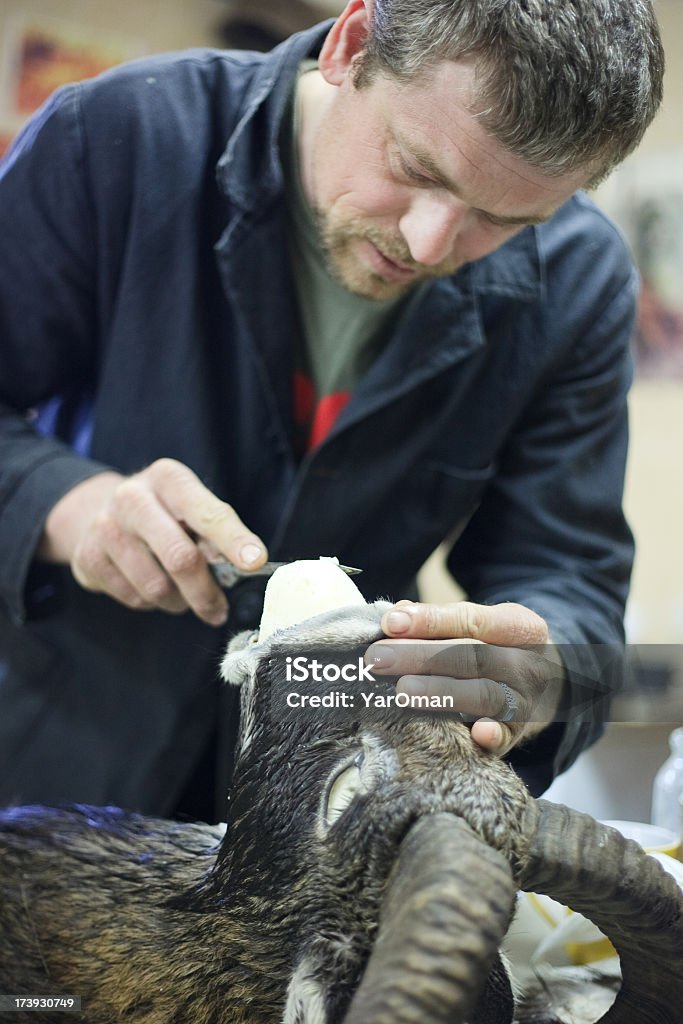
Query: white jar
[(668, 787)]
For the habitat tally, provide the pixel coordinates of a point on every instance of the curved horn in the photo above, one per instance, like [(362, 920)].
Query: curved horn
[(597, 872), (439, 928)]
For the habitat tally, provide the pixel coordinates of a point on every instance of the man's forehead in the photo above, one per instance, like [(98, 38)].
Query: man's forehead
[(436, 120)]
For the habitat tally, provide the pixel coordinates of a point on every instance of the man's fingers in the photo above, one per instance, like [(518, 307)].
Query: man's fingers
[(485, 681), (471, 697), (104, 577), (492, 736), (496, 660), (158, 556), (496, 726), (142, 539), (526, 671), (155, 506), (509, 624), (189, 501), (145, 574), (111, 562)]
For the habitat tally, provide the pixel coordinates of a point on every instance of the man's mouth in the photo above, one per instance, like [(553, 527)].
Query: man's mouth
[(385, 267)]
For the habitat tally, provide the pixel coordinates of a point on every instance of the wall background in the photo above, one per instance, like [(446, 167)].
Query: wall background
[(614, 779)]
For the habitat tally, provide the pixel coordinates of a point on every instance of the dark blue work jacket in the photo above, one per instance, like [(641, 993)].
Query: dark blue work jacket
[(144, 278)]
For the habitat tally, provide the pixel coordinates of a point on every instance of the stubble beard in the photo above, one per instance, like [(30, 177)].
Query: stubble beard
[(340, 244)]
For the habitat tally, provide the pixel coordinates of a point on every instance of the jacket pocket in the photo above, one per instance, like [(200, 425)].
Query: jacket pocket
[(431, 504), (444, 497)]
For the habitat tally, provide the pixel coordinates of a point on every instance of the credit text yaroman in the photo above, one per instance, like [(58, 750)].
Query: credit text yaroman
[(340, 699)]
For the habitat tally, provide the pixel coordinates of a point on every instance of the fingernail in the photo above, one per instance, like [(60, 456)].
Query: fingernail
[(495, 735), (398, 622), (250, 553), (380, 656)]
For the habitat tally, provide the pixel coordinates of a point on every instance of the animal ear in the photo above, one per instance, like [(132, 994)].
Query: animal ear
[(240, 641), (241, 658)]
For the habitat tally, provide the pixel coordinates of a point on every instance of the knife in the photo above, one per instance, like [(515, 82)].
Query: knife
[(227, 575)]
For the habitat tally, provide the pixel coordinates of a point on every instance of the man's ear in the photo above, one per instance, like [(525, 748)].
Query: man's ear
[(344, 41)]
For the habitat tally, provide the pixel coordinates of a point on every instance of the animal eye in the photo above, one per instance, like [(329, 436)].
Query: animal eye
[(342, 789)]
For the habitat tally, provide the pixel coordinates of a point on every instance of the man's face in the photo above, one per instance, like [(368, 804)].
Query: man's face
[(408, 186)]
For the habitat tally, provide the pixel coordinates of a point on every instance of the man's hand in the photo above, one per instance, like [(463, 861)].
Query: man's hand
[(496, 661), (133, 538)]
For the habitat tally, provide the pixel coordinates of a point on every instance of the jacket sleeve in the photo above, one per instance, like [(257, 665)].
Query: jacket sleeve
[(550, 532), (47, 326)]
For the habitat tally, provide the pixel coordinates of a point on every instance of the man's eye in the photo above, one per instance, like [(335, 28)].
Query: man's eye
[(496, 222), (415, 174)]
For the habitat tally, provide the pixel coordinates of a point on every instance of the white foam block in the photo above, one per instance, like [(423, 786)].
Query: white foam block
[(304, 588)]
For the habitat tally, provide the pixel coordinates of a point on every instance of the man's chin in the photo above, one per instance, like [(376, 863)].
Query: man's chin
[(369, 286), (361, 281), (358, 268)]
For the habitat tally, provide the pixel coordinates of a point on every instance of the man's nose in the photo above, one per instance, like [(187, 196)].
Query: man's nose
[(431, 226)]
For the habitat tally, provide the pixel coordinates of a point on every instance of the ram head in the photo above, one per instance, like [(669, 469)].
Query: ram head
[(367, 874)]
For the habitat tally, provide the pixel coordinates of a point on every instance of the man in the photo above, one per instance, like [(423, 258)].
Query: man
[(351, 308)]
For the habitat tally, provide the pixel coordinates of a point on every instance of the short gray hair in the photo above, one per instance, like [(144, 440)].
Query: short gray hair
[(562, 84)]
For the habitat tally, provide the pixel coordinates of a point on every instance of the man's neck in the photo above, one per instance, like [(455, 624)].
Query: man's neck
[(314, 96)]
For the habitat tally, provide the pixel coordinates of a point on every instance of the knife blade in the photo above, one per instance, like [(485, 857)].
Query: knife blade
[(227, 575)]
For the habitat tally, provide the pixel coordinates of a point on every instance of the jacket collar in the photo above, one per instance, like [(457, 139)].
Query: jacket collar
[(250, 170), (515, 270)]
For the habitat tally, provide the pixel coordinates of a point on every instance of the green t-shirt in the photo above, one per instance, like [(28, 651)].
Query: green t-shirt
[(340, 333)]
